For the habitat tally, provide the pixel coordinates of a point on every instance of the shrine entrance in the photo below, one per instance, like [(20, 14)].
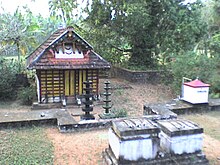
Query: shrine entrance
[(74, 81)]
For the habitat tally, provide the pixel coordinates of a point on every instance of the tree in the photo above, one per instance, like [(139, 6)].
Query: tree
[(203, 61), (145, 29), (14, 30), (21, 33), (64, 10)]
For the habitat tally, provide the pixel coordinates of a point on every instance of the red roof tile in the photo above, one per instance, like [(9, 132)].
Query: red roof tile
[(196, 84), (41, 58)]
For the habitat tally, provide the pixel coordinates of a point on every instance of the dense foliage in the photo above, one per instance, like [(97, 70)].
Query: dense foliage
[(21, 33), (11, 80), (26, 95), (147, 31), (193, 65), (8, 70), (204, 60)]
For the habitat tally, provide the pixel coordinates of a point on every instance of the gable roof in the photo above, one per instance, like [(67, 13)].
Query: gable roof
[(41, 59)]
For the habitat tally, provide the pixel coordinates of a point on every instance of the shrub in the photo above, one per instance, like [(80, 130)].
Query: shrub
[(193, 65), (8, 70), (117, 113), (114, 113), (26, 95)]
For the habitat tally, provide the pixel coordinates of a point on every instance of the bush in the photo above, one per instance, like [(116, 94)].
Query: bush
[(193, 65), (8, 70), (114, 113), (117, 113), (26, 95)]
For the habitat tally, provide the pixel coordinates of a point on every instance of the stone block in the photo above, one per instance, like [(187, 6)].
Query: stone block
[(134, 139), (180, 136)]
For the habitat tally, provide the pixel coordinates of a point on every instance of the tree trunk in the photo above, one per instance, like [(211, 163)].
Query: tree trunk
[(19, 57), (143, 57)]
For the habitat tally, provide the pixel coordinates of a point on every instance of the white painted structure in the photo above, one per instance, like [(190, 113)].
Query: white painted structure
[(38, 88), (181, 144), (180, 136), (68, 52), (130, 143), (195, 92)]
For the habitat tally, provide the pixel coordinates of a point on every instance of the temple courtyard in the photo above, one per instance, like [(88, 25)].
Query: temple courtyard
[(86, 146)]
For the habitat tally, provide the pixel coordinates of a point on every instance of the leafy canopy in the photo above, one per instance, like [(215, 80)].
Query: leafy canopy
[(143, 30)]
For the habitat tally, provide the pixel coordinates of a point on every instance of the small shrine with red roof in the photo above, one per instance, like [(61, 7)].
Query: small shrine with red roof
[(62, 63), (195, 92)]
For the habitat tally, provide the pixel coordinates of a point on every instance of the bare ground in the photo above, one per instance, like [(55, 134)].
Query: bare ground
[(13, 106), (210, 122), (211, 149), (85, 148), (81, 148)]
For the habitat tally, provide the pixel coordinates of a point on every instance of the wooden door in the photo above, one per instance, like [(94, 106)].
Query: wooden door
[(70, 84), (74, 81)]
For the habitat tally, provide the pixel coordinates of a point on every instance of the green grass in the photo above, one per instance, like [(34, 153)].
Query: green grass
[(209, 121), (25, 146)]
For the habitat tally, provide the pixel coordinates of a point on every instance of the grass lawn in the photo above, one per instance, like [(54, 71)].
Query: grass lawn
[(25, 146), (209, 121)]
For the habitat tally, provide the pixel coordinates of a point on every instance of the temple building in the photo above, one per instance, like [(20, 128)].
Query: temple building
[(62, 63)]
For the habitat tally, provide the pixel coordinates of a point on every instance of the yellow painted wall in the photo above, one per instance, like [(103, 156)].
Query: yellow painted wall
[(67, 93), (74, 81)]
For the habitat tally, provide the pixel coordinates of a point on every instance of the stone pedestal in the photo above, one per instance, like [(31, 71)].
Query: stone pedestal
[(180, 136), (134, 140)]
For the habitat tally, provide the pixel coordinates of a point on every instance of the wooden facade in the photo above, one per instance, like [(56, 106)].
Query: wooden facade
[(62, 63)]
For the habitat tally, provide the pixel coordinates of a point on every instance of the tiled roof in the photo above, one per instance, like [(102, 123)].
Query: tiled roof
[(42, 59)]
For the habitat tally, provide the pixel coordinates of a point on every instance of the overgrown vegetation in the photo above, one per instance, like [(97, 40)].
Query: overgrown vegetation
[(25, 146), (115, 113), (145, 31), (118, 113), (193, 65), (26, 95), (8, 70)]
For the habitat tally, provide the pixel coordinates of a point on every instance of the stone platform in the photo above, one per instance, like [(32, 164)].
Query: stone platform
[(177, 107), (60, 117), (168, 159), (55, 116)]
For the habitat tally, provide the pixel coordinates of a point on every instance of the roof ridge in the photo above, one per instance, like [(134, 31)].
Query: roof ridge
[(37, 59)]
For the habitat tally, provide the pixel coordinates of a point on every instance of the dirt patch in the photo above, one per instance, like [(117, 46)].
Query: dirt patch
[(132, 99), (128, 96), (86, 147), (13, 106), (78, 148), (211, 149)]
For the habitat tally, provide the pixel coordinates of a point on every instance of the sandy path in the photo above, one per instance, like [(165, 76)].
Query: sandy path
[(80, 148)]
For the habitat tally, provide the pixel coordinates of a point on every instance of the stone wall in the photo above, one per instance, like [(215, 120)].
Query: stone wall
[(151, 76)]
